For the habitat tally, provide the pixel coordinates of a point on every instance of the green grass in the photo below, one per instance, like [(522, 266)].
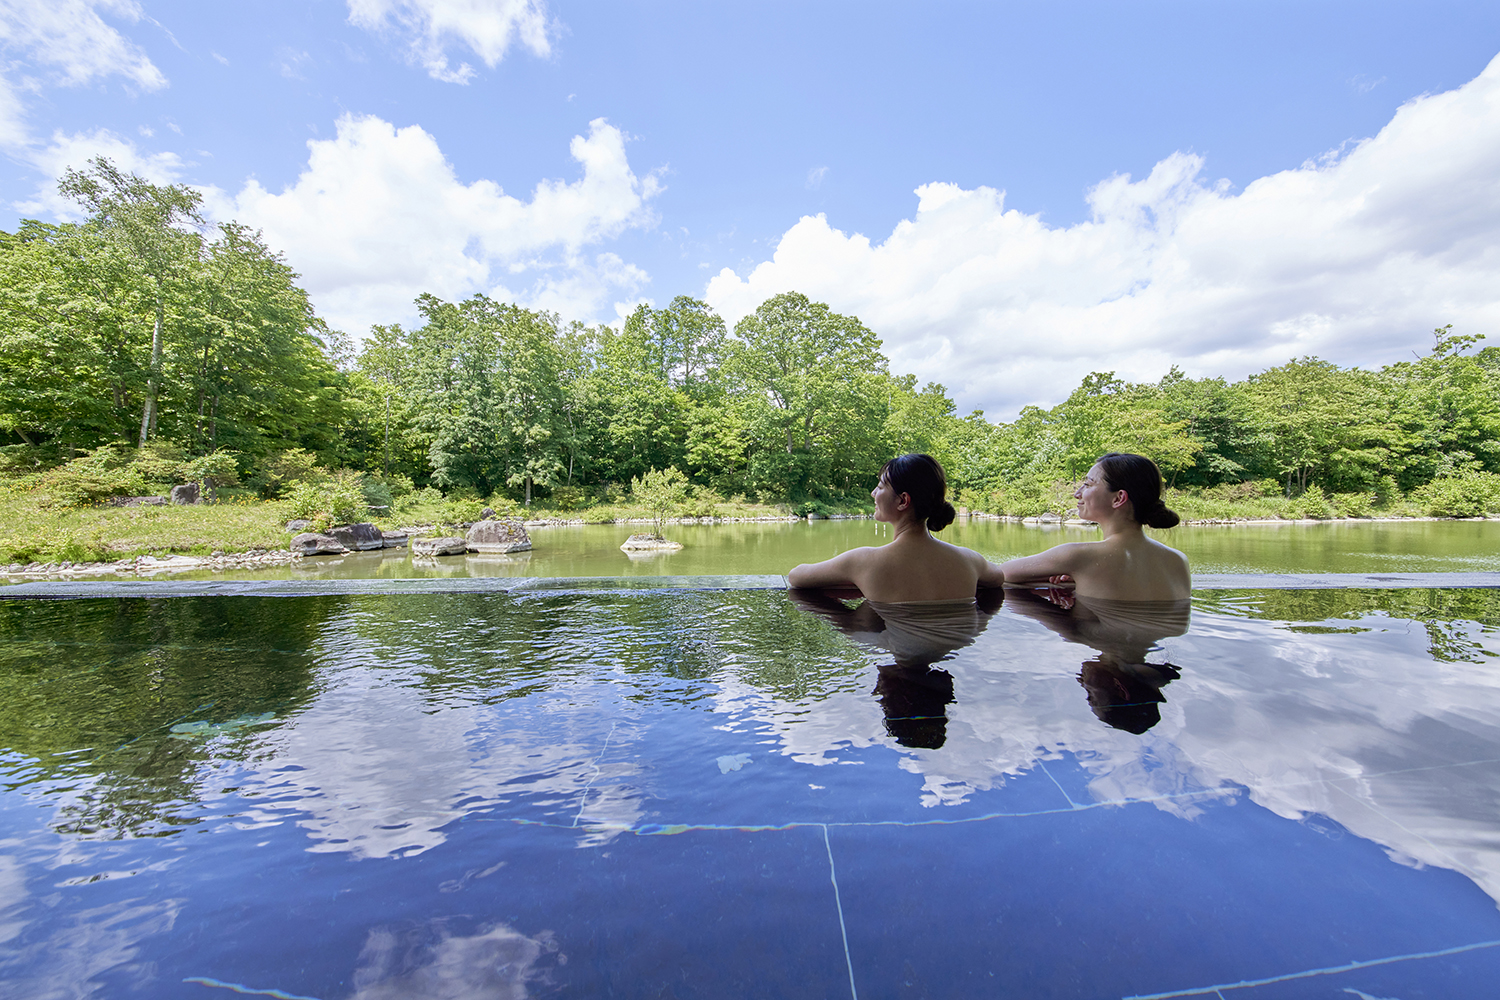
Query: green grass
[(30, 532)]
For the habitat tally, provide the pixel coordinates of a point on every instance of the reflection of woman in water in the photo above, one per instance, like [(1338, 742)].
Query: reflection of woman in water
[(913, 692), (912, 566), (1123, 689), (1122, 494)]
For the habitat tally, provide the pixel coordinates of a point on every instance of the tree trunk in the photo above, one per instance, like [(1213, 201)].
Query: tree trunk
[(153, 383), (528, 489), (387, 435)]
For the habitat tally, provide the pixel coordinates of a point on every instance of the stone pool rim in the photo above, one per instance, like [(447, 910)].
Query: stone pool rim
[(85, 589)]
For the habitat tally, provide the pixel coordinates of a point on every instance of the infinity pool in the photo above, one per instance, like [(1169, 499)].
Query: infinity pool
[(722, 794)]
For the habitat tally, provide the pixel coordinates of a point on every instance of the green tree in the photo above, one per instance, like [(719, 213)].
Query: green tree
[(814, 384), (661, 492), (1322, 424), (148, 219)]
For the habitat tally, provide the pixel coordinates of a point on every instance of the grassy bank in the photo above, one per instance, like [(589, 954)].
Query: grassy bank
[(31, 530), (1474, 494)]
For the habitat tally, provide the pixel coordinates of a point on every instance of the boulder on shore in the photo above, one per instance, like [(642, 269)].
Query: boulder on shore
[(498, 536), (361, 537), (310, 543), (297, 525), (446, 546), (649, 543), (186, 493), (138, 501)]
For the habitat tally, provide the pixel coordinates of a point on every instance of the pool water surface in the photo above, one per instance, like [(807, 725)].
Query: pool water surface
[(719, 794)]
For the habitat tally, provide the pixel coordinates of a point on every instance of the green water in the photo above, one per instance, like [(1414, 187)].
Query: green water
[(594, 550)]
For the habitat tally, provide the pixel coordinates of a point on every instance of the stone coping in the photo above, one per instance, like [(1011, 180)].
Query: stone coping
[(74, 589)]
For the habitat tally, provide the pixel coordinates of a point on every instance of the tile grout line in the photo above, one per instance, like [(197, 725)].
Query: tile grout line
[(1453, 862), (1309, 973), (839, 905), (583, 799), (1045, 770)]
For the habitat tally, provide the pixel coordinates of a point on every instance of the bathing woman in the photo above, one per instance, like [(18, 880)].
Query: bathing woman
[(912, 566), (1121, 494)]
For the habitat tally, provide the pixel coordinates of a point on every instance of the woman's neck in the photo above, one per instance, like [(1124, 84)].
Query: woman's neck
[(1122, 525), (909, 528)]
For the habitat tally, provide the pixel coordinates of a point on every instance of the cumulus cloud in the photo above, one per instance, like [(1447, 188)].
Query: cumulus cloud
[(1352, 257), (75, 150), (487, 27), (379, 216), (70, 39), (66, 43)]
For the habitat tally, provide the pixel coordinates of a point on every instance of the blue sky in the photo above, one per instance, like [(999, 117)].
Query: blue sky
[(583, 157)]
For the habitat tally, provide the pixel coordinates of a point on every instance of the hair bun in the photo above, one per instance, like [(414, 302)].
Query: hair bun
[(942, 517), (1161, 516)]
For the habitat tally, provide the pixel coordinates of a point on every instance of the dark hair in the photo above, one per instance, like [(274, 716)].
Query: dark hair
[(1139, 477), (921, 478)]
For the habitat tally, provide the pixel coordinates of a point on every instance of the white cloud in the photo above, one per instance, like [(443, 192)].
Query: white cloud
[(815, 177), (64, 43), (487, 27), (75, 151), (1353, 257), (72, 39), (379, 216)]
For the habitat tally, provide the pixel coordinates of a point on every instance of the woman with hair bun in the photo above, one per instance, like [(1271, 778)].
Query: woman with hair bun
[(912, 566), (1121, 494)]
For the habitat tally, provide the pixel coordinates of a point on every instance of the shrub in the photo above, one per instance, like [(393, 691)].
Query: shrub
[(376, 493), (505, 507), (1387, 493), (89, 480), (704, 502), (662, 492), (569, 497), (219, 468), (340, 500), (287, 469), (1353, 504), (1471, 494), (462, 511), (1312, 504), (160, 464)]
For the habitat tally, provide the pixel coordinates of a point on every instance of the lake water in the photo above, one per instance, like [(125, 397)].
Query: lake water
[(639, 794), (772, 548)]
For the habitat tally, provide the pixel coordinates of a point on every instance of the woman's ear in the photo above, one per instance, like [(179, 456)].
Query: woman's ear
[(904, 502), (1121, 498)]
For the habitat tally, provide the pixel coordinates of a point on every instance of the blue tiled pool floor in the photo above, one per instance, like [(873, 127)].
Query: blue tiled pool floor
[(704, 796)]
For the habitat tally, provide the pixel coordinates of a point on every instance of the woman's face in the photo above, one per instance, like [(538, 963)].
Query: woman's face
[(1096, 501), (887, 500)]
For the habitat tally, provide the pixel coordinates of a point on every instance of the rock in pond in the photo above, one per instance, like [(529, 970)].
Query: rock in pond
[(361, 537), (394, 539), (447, 546), (186, 493), (649, 543), (310, 543), (499, 536)]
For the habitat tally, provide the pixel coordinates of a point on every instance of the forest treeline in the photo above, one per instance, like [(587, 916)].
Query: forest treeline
[(143, 325)]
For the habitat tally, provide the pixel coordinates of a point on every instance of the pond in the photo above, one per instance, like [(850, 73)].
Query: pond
[(773, 548), (638, 794)]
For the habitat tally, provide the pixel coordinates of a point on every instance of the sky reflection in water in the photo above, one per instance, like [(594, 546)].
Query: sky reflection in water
[(186, 780)]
